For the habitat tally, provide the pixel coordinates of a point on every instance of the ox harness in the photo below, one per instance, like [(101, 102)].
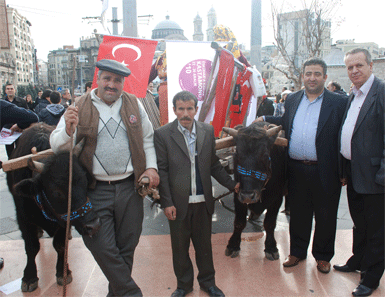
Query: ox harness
[(51, 215), (254, 174)]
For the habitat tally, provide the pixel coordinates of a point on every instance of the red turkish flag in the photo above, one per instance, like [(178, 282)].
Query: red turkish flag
[(136, 54)]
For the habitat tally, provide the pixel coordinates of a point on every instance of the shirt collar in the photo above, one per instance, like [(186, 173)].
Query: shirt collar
[(365, 87), (320, 97), (184, 130)]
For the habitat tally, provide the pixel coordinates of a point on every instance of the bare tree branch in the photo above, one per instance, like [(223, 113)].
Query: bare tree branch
[(301, 34)]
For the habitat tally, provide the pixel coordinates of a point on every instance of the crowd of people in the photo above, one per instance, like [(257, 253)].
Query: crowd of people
[(334, 140)]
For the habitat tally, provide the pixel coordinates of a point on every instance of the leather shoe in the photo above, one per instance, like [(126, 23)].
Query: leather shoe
[(343, 268), (213, 291), (362, 290), (1, 263), (323, 266), (180, 292), (292, 261)]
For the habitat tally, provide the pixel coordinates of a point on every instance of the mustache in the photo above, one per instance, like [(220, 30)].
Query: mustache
[(110, 89), (185, 119)]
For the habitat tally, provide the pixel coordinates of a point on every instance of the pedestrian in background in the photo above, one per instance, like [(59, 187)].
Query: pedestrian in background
[(30, 103), (44, 101), (66, 98), (10, 96), (52, 113), (335, 87), (266, 107), (280, 108)]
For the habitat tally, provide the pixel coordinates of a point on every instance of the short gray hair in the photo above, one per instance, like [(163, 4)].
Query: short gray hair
[(65, 91), (368, 56)]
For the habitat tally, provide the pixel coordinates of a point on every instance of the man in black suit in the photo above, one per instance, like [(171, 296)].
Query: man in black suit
[(312, 121), (363, 166), (185, 151), (266, 107), (11, 97)]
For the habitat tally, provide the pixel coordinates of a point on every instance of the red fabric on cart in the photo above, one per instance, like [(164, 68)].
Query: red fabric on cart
[(237, 113), (223, 90)]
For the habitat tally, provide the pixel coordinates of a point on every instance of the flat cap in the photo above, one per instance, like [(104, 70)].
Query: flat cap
[(113, 66)]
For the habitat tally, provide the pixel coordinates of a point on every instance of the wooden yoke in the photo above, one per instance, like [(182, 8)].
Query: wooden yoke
[(21, 162)]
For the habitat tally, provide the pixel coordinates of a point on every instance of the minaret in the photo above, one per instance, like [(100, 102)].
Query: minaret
[(256, 34), (130, 25), (212, 22), (198, 34)]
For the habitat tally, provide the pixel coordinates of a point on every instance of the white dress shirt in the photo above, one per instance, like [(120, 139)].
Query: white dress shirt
[(351, 118), (190, 139)]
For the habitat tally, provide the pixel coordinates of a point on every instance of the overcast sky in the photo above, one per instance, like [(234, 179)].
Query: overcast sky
[(57, 23)]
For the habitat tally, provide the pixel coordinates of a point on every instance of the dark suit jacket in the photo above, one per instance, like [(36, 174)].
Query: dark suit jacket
[(174, 166), (266, 108), (20, 102), (329, 122), (368, 142)]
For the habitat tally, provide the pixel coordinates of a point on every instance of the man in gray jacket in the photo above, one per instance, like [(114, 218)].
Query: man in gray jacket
[(185, 151), (363, 157)]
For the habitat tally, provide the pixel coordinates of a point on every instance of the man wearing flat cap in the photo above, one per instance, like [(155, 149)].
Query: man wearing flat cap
[(117, 153)]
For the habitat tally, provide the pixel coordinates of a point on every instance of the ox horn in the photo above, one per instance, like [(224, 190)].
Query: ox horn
[(281, 141), (35, 165), (230, 131), (273, 131), (79, 147)]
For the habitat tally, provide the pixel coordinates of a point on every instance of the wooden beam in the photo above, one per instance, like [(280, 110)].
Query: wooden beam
[(224, 142), (22, 162)]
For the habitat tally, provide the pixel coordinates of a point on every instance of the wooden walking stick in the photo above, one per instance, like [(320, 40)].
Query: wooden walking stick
[(68, 230)]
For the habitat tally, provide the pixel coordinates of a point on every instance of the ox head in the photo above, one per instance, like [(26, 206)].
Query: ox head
[(49, 188), (252, 161)]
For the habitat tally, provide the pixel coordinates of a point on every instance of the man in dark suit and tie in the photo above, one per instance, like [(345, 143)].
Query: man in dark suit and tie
[(363, 165), (185, 151), (312, 121)]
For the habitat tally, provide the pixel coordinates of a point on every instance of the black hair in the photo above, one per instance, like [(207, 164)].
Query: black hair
[(184, 96), (54, 97), (315, 61), (46, 93)]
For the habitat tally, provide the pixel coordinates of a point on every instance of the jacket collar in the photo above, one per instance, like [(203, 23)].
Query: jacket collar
[(178, 137)]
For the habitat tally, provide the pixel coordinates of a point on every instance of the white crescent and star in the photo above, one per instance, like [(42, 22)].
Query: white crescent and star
[(130, 46)]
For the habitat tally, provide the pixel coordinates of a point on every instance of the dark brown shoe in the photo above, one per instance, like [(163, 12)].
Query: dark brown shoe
[(292, 261), (323, 266)]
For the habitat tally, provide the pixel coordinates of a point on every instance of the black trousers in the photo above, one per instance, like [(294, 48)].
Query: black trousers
[(367, 212), (308, 197), (196, 226)]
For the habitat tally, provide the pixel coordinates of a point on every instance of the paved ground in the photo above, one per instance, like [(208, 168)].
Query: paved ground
[(250, 274)]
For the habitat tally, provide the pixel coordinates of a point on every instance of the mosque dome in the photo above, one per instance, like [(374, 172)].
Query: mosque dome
[(166, 28)]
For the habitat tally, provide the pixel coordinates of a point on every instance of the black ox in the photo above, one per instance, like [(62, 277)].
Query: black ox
[(260, 168), (41, 201)]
